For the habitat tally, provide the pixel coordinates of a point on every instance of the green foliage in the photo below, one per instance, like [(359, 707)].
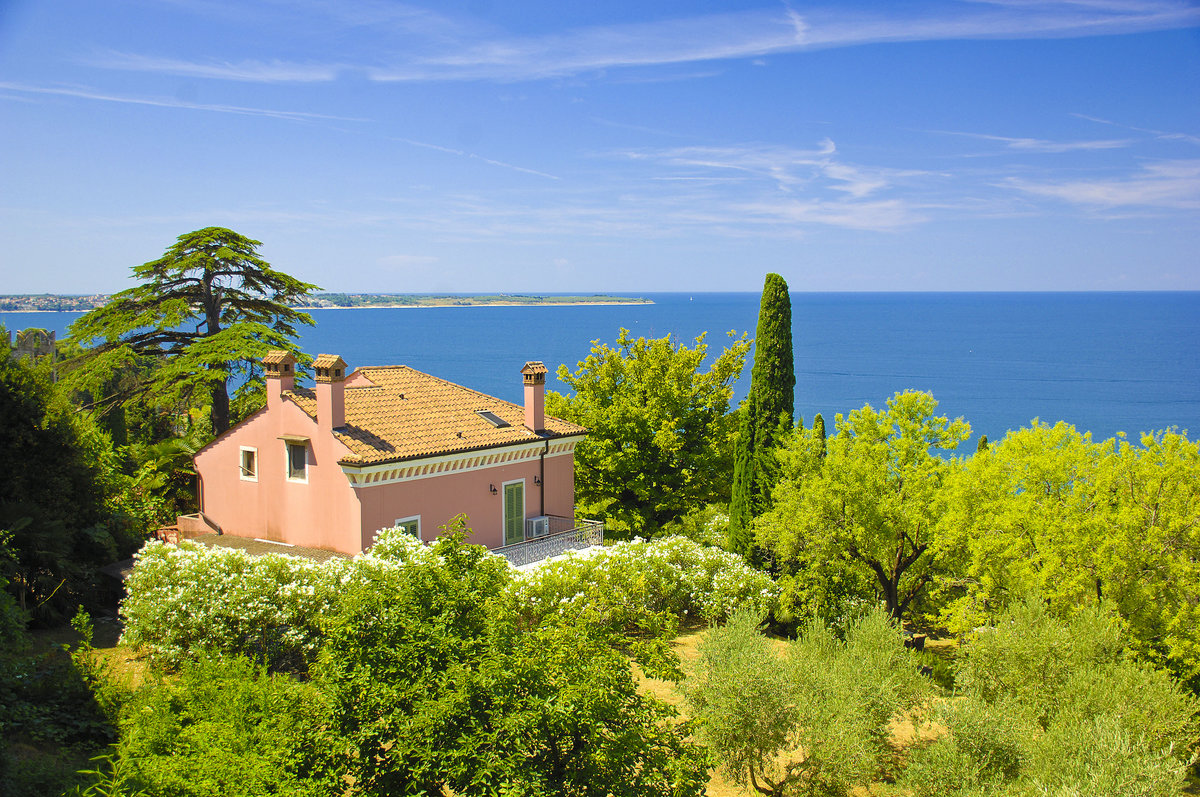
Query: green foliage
[(1048, 511), (707, 525), (659, 439), (1055, 707), (766, 414), (983, 753), (813, 721), (51, 496), (111, 777), (866, 511), (431, 685), (218, 728), (55, 705), (203, 314), (425, 680)]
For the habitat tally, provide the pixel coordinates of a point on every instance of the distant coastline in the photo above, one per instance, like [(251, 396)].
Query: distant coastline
[(67, 303)]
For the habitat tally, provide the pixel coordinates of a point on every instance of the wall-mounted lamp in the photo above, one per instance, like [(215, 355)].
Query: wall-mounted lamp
[(537, 480), (492, 487)]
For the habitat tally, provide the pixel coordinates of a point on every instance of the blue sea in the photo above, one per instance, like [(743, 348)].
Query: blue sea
[(1105, 362)]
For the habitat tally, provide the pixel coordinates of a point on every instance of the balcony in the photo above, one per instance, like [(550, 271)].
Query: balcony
[(564, 536)]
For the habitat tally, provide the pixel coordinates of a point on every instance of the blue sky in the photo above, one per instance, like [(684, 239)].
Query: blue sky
[(524, 146)]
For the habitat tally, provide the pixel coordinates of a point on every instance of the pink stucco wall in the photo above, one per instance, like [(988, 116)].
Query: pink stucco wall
[(439, 498), (328, 512), (321, 513)]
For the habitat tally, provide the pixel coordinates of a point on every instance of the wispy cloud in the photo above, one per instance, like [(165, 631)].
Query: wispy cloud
[(1041, 145), (460, 153), (880, 216), (757, 188), (789, 168), (440, 47), (1162, 134), (99, 96), (273, 71), (1165, 184)]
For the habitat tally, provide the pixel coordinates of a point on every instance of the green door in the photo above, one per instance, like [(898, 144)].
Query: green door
[(514, 512)]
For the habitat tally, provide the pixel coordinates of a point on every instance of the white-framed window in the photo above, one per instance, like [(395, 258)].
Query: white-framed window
[(248, 463), (514, 511), (297, 462), (412, 525)]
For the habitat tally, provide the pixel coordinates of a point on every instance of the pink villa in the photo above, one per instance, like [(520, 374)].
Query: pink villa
[(384, 447)]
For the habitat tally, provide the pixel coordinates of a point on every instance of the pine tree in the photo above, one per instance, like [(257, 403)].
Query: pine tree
[(201, 316), (766, 413)]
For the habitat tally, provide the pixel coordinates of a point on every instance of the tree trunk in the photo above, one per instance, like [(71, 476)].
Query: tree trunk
[(219, 414), (220, 407)]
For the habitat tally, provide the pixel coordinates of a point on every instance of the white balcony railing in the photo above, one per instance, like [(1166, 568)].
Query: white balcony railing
[(584, 535)]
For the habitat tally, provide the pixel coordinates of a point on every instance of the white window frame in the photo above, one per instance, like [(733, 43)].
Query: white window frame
[(504, 515), (253, 477), (287, 462), (411, 519)]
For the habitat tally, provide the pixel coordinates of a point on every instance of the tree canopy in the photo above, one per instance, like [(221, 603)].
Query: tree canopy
[(52, 492), (766, 415), (659, 431), (1083, 524), (203, 314), (871, 502)]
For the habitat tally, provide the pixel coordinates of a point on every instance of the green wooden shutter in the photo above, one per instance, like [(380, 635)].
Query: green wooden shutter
[(514, 513)]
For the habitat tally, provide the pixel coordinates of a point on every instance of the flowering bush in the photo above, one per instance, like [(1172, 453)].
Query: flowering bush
[(190, 599), (624, 584)]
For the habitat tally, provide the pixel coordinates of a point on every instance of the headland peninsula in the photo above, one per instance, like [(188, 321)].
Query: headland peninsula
[(51, 302)]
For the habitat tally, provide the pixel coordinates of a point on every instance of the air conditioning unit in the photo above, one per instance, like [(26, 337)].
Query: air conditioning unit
[(537, 527)]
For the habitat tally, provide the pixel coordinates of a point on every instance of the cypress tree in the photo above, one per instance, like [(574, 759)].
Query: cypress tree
[(983, 444), (766, 413), (819, 431)]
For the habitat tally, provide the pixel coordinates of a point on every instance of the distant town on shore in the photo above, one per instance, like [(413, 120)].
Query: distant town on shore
[(53, 302)]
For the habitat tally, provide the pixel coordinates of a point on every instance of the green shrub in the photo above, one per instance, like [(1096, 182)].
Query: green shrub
[(983, 753), (1056, 707), (812, 722), (219, 728)]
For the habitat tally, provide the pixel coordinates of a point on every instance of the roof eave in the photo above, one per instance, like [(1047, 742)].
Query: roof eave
[(358, 463)]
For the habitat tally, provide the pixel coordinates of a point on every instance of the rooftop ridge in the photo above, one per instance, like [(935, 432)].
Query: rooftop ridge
[(446, 381)]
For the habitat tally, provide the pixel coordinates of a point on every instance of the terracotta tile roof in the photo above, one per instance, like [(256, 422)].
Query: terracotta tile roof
[(407, 414), (328, 361), (278, 356), (535, 367)]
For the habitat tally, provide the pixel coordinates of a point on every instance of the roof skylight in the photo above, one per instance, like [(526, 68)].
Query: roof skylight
[(492, 418)]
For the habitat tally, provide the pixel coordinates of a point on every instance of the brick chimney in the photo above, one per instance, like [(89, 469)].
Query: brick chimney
[(534, 374), (331, 392), (280, 369)]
